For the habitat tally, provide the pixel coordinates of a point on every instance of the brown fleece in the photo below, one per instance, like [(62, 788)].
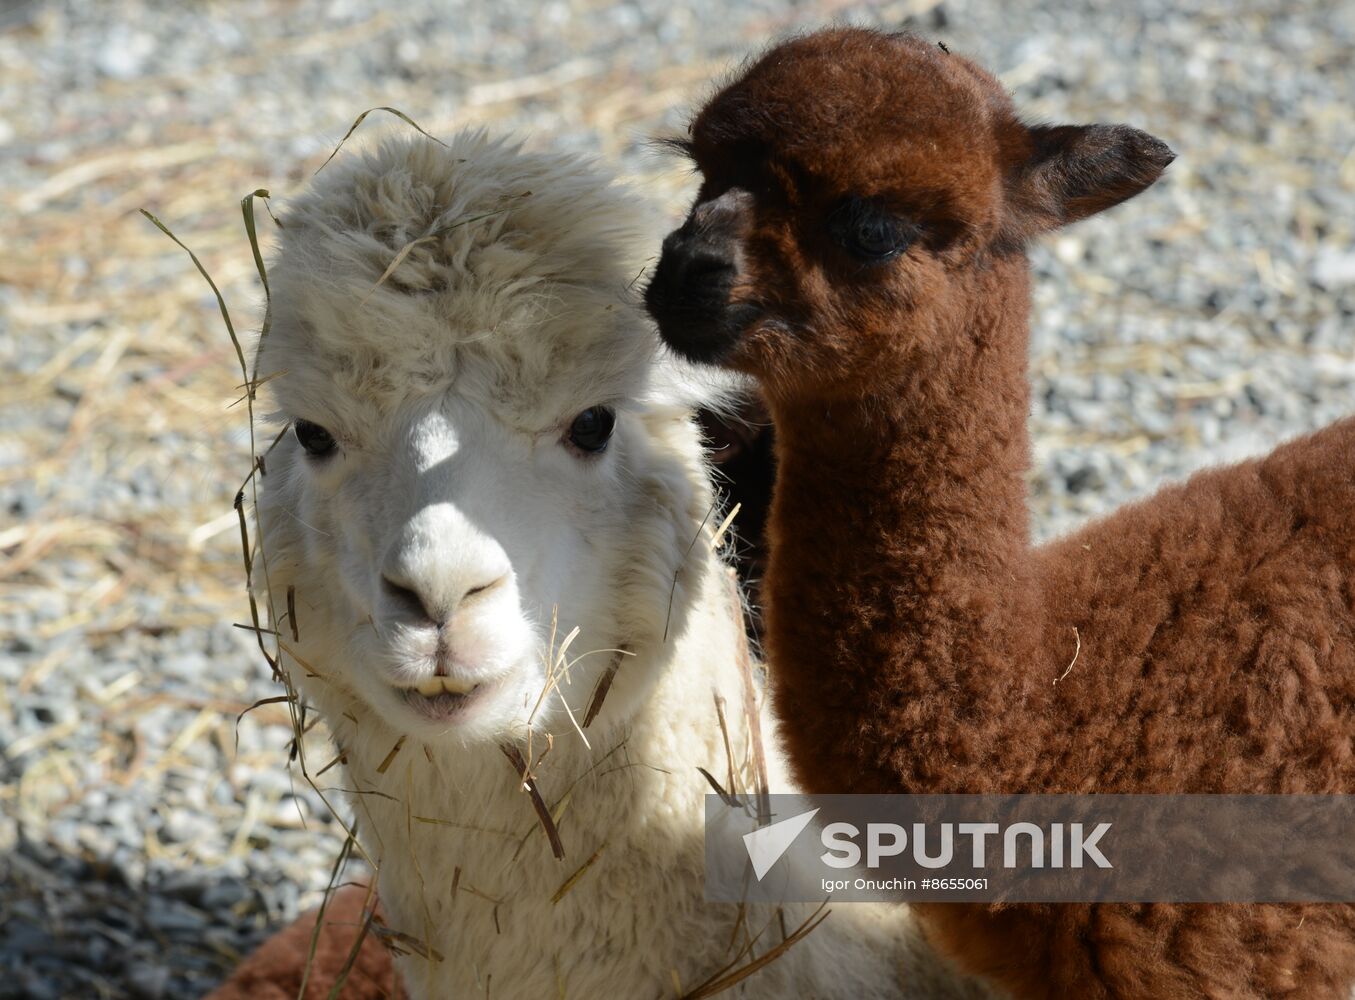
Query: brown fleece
[(275, 971), (914, 633)]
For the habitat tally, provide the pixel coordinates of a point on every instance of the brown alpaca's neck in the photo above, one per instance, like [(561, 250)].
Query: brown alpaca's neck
[(901, 587)]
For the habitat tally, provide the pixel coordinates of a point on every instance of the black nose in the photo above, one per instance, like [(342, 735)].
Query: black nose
[(701, 267), (694, 274), (689, 293)]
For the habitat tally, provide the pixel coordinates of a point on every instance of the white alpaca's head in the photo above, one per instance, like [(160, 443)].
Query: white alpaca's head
[(481, 443)]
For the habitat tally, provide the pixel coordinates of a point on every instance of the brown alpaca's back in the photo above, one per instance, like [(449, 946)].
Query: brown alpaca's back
[(1151, 951), (1216, 623), (1217, 630)]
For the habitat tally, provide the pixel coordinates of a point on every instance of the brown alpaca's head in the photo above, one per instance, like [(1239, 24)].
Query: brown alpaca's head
[(857, 191)]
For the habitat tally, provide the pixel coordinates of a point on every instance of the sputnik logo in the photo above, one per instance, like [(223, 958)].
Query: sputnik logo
[(766, 846)]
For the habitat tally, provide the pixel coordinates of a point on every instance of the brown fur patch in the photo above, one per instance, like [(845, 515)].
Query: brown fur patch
[(276, 970)]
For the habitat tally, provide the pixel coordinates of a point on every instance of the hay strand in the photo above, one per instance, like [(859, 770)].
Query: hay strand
[(573, 880), (359, 120), (725, 980), (514, 756)]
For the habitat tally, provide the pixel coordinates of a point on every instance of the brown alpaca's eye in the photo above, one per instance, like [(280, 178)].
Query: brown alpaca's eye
[(317, 441), (875, 237), (868, 231), (592, 429)]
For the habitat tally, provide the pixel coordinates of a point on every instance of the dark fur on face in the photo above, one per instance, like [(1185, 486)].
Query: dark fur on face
[(741, 449), (865, 204)]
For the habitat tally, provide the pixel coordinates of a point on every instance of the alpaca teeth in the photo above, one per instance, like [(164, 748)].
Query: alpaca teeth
[(434, 686)]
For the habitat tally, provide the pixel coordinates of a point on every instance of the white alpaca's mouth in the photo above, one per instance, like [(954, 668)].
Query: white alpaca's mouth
[(434, 686), (444, 699)]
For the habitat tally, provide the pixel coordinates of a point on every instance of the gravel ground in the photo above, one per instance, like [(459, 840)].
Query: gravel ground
[(146, 837)]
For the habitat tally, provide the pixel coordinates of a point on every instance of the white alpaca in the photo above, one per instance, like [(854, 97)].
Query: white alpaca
[(486, 451)]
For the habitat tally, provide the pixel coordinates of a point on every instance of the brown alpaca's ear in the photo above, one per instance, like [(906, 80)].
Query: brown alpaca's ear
[(1074, 171)]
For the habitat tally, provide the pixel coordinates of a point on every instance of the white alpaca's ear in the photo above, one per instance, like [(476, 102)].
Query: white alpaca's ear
[(1073, 171)]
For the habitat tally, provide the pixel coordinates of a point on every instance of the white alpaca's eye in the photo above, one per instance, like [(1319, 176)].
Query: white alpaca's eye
[(592, 429), (315, 439)]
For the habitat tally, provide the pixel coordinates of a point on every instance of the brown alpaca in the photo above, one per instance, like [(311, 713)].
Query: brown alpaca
[(857, 245)]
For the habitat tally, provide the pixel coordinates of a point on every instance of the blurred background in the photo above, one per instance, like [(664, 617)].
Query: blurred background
[(147, 837)]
